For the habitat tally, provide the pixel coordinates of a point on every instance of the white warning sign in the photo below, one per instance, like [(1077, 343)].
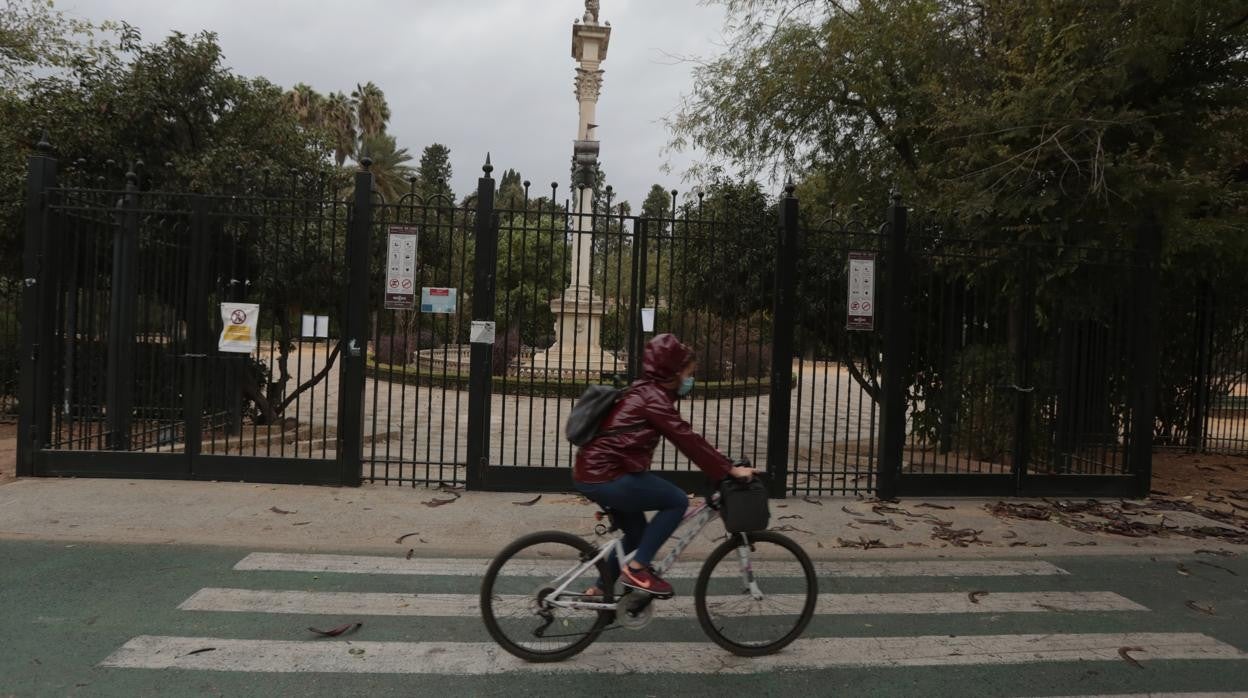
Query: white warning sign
[(238, 331), (401, 268), (861, 291)]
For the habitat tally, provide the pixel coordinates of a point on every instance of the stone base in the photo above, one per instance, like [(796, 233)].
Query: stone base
[(584, 363)]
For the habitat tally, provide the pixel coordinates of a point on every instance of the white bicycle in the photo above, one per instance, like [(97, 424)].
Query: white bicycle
[(754, 595)]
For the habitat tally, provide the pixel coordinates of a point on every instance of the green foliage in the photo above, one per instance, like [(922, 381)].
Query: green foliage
[(534, 267), (391, 173), (433, 175), (1035, 112)]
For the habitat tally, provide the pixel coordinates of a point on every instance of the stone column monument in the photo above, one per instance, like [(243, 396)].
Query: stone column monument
[(577, 351)]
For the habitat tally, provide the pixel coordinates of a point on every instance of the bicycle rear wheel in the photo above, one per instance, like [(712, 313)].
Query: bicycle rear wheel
[(760, 611), (518, 581)]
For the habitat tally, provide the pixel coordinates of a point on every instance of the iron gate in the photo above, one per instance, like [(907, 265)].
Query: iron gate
[(975, 381)]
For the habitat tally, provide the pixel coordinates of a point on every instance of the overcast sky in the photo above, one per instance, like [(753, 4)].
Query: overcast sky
[(475, 75)]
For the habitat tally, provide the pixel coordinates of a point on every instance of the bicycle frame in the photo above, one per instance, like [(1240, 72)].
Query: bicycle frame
[(690, 526)]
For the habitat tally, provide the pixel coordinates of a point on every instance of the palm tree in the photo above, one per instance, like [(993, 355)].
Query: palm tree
[(306, 104), (391, 173), (373, 113), (339, 119)]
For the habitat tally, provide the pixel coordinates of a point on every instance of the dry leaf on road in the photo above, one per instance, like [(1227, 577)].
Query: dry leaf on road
[(340, 630)]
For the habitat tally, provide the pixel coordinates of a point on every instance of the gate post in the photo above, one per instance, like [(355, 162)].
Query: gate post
[(33, 398), (485, 229), (1022, 372), (636, 339), (895, 369), (778, 411), (119, 384), (354, 340), (1145, 355)]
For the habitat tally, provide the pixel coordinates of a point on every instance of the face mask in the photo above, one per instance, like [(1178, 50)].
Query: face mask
[(686, 387)]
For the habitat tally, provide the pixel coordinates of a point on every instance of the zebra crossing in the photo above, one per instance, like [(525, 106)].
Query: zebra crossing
[(822, 647)]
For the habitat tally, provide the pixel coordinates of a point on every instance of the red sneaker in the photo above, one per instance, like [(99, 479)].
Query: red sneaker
[(646, 580)]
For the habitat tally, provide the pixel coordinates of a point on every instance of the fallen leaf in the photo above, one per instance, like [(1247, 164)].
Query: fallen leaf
[(439, 502), (812, 500), (356, 651), (1228, 570), (975, 596), (932, 506), (787, 528), (201, 650), (410, 552), (791, 516), (1183, 570), (340, 630), (1220, 553), (529, 503), (1009, 534), (1207, 610), (275, 510), (405, 536), (301, 523), (1123, 652)]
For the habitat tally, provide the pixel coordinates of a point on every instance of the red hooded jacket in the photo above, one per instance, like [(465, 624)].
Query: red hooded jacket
[(645, 413)]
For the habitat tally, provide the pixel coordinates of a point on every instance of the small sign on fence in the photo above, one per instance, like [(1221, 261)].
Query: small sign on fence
[(401, 268), (481, 332), (238, 331), (315, 326), (437, 300), (647, 319), (861, 297)]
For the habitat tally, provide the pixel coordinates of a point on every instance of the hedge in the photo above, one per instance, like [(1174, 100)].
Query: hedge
[(535, 387)]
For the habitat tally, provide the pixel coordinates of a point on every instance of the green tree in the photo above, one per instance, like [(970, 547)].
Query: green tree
[(371, 109), (391, 173), (510, 190), (340, 121), (433, 175)]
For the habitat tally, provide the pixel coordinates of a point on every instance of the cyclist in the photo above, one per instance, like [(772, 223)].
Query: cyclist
[(613, 470)]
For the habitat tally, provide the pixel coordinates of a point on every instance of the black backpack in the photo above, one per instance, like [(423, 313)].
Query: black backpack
[(588, 412)]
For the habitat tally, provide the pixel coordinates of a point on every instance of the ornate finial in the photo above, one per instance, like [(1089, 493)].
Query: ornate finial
[(789, 187), (365, 163), (527, 184), (132, 177), (896, 196), (487, 168), (43, 145)]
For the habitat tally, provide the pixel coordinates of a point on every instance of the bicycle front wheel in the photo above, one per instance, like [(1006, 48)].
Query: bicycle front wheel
[(756, 593), (516, 591)]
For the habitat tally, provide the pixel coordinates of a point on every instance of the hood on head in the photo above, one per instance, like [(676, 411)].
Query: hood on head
[(665, 357)]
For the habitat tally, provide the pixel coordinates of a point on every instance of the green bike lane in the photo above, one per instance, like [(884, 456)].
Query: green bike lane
[(68, 607)]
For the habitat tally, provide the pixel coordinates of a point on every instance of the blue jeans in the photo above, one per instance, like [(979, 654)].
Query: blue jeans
[(629, 497)]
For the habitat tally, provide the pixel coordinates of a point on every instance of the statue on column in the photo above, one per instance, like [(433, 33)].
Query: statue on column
[(591, 11)]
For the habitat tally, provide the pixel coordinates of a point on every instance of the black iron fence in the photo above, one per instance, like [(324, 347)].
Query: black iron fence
[(428, 341)]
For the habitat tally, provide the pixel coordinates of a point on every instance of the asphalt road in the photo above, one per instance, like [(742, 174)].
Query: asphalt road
[(125, 620)]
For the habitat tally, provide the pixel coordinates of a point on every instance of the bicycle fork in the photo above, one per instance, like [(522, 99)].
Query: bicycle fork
[(747, 570)]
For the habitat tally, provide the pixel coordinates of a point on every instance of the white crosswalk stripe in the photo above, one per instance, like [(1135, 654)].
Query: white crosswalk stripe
[(456, 567), (475, 658), (431, 655), (465, 605)]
